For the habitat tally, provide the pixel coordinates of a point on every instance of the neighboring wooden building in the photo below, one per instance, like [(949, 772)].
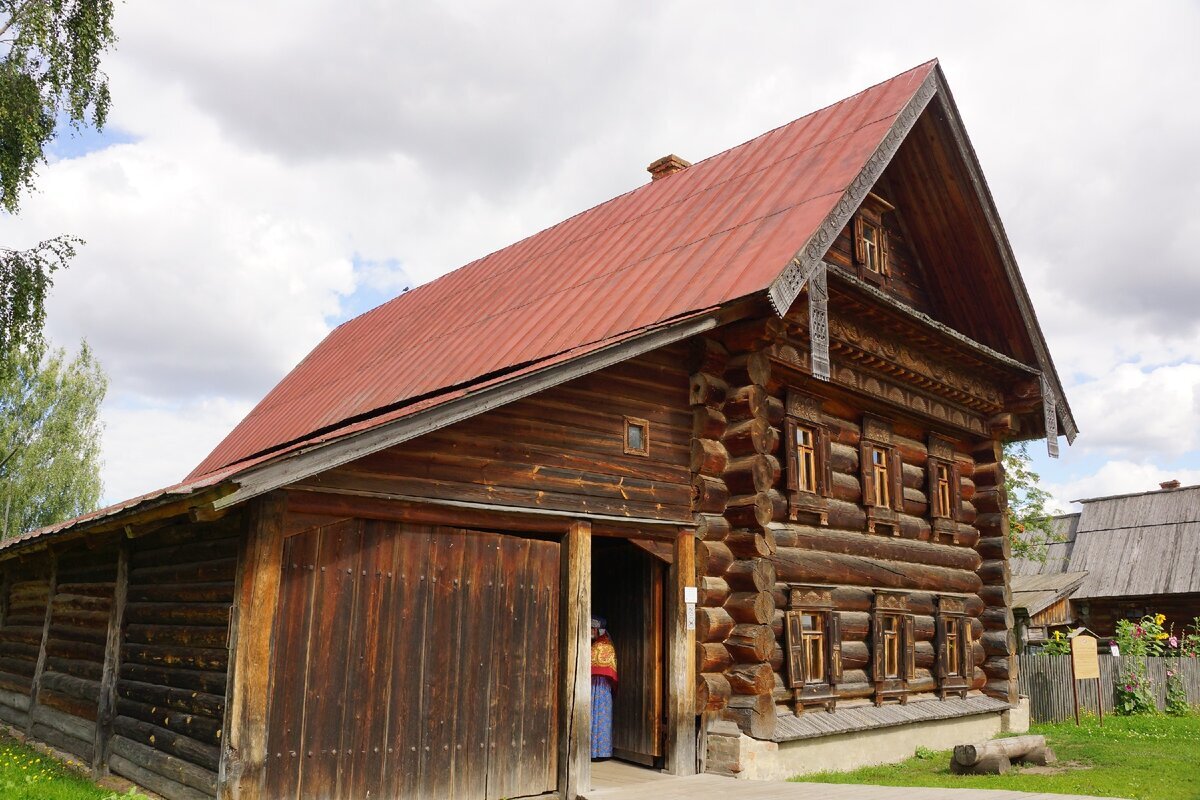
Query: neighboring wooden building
[(1139, 552), (751, 412)]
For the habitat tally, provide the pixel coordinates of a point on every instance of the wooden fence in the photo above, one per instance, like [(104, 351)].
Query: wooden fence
[(1047, 682)]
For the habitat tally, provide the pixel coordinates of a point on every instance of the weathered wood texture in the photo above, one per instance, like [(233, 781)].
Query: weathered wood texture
[(358, 710), (169, 711), (562, 450), (26, 595), (76, 639), (627, 590), (1046, 681)]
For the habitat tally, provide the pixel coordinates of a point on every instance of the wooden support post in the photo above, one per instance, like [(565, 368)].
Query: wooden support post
[(241, 773), (40, 667), (575, 709), (681, 666), (106, 710)]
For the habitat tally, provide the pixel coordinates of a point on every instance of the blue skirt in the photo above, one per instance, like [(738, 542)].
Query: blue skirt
[(602, 717)]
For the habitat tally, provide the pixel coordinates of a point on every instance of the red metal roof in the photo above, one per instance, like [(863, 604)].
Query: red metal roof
[(717, 231)]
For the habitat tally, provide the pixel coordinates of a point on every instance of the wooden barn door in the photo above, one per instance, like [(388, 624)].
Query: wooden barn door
[(416, 662), (627, 589)]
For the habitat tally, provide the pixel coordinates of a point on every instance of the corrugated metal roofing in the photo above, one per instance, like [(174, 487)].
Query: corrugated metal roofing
[(1130, 545), (719, 230)]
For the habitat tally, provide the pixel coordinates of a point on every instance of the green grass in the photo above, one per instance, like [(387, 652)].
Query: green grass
[(26, 774), (1142, 758)]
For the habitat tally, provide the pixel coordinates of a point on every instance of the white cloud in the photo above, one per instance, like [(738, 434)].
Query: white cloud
[(1117, 477), (293, 160)]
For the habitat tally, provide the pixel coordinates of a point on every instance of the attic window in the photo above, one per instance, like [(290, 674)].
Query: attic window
[(637, 437), (871, 248)]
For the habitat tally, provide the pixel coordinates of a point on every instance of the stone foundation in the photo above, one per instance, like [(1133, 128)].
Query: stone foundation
[(730, 752)]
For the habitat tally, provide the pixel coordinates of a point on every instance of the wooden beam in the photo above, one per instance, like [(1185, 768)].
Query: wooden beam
[(681, 666), (106, 710), (458, 513), (575, 709), (5, 582), (241, 773), (40, 667)]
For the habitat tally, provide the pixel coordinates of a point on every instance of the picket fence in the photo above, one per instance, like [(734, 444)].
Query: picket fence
[(1047, 682)]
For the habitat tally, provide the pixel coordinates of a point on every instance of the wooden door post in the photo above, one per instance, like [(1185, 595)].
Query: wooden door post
[(575, 708), (241, 773), (40, 667), (681, 659), (107, 704)]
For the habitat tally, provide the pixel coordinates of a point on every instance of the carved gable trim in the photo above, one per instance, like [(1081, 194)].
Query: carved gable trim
[(787, 287)]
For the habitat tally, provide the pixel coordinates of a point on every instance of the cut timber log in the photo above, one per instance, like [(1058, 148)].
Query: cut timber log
[(749, 644), (713, 624), (755, 575), (991, 765), (713, 558), (796, 565), (752, 474), (751, 437), (746, 544), (751, 607), (711, 527), (708, 457), (705, 390), (712, 692), (751, 679), (709, 495), (712, 657), (1016, 748), (712, 591), (707, 423)]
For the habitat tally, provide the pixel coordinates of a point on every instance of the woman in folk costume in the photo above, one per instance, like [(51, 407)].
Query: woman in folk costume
[(604, 682)]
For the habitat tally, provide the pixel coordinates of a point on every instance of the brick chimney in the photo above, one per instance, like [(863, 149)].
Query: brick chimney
[(1169, 485), (667, 165)]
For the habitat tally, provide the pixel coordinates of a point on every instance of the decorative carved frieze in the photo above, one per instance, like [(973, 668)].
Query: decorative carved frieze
[(891, 601), (948, 604), (810, 596), (876, 429), (941, 447), (965, 387), (803, 406), (1050, 412)]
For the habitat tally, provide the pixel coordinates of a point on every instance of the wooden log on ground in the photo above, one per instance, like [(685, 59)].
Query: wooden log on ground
[(1015, 748), (991, 765)]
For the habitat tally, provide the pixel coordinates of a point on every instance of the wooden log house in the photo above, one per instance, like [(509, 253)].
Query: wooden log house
[(751, 412)]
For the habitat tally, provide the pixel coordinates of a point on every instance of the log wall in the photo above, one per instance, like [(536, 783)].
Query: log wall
[(561, 450), (26, 590), (752, 547), (170, 688)]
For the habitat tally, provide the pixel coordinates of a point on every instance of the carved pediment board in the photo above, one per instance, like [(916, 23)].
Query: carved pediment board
[(810, 597)]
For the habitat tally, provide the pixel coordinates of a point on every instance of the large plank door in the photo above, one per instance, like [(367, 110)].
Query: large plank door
[(415, 662), (628, 590)]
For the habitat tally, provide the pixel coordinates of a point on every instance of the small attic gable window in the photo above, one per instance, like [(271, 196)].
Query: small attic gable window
[(637, 437), (871, 248)]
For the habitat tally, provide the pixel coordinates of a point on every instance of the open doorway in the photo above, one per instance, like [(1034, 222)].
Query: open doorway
[(628, 583)]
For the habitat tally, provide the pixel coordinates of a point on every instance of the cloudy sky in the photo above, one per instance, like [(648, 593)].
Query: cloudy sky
[(271, 169)]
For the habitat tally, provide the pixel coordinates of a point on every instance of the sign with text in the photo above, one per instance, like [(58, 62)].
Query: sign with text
[(1084, 659)]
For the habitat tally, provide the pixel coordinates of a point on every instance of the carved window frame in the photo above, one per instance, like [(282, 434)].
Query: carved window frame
[(816, 601), (803, 412), (954, 671), (877, 436), (630, 450), (870, 217), (941, 458), (893, 607)]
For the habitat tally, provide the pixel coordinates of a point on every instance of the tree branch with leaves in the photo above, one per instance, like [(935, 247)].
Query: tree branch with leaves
[(1030, 523)]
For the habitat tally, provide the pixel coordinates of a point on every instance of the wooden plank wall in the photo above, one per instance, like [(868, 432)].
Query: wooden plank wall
[(28, 587), (358, 711), (170, 688), (1103, 613), (562, 449), (1046, 680), (69, 686)]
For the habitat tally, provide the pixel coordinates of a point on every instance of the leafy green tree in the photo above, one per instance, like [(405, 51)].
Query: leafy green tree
[(49, 437), (49, 71), (1030, 523)]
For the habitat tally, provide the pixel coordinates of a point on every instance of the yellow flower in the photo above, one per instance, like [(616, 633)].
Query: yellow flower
[(1159, 619), (1161, 635)]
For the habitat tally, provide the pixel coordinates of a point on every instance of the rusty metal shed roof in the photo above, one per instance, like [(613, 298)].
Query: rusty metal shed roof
[(722, 229)]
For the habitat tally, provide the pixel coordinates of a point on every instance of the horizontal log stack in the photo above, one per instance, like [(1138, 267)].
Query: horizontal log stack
[(26, 589), (170, 691), (65, 709), (999, 640)]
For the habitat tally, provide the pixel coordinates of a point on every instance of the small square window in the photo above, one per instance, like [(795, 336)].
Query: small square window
[(637, 437)]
